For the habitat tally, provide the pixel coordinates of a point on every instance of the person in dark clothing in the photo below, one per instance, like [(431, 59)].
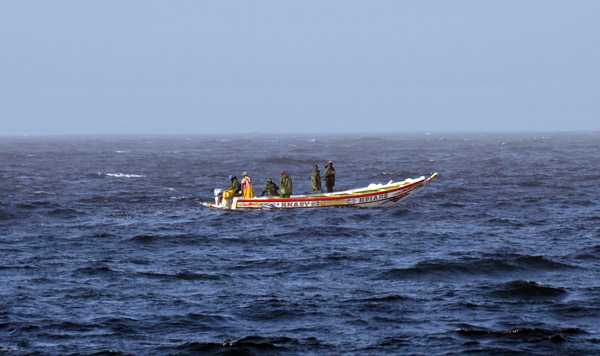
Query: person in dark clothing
[(235, 185), (285, 182), (315, 181), (329, 177), (270, 188)]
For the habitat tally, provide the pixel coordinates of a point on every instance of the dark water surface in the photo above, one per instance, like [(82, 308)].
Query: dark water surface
[(104, 250)]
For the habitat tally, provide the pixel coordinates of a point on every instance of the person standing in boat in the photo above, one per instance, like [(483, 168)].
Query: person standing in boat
[(315, 181), (270, 188), (329, 177), (247, 186), (285, 184), (235, 185)]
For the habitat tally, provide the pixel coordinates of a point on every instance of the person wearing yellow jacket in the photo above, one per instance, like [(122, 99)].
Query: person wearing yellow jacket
[(247, 186)]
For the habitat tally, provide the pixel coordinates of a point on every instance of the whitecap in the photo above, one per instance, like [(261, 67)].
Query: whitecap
[(124, 175)]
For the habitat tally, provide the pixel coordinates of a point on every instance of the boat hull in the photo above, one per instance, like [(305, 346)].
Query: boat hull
[(370, 197)]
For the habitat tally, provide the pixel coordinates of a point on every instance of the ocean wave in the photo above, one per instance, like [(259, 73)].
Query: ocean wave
[(452, 204), (145, 238), (118, 325), (331, 231), (505, 221), (529, 262), (576, 308), (207, 317), (533, 335), (589, 253), (383, 299), (37, 204), (102, 234), (476, 266), (272, 308), (249, 345), (362, 216), (185, 275), (87, 293), (528, 290), (5, 215), (426, 268), (95, 270), (17, 267), (66, 213), (72, 326)]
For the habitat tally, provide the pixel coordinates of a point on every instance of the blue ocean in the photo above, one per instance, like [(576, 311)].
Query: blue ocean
[(104, 249)]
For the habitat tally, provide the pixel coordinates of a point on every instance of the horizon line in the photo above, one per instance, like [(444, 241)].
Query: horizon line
[(354, 133)]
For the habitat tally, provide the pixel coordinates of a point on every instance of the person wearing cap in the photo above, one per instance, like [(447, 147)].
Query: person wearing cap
[(329, 177), (315, 181), (235, 185), (247, 186), (270, 188), (285, 182)]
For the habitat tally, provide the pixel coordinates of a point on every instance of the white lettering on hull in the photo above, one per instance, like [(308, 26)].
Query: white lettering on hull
[(370, 198), (296, 204)]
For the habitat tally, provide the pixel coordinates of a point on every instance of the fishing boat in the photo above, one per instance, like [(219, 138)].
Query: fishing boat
[(373, 196)]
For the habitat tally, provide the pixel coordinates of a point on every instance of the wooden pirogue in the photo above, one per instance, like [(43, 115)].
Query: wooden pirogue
[(373, 196)]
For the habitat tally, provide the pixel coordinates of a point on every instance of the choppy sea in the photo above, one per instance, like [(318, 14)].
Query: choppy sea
[(104, 249)]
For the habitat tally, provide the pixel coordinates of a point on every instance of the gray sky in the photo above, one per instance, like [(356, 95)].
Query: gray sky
[(76, 67)]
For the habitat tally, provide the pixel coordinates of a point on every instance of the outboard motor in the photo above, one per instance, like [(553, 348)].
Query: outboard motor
[(218, 196)]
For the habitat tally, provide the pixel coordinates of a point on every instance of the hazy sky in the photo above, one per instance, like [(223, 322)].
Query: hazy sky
[(76, 67)]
